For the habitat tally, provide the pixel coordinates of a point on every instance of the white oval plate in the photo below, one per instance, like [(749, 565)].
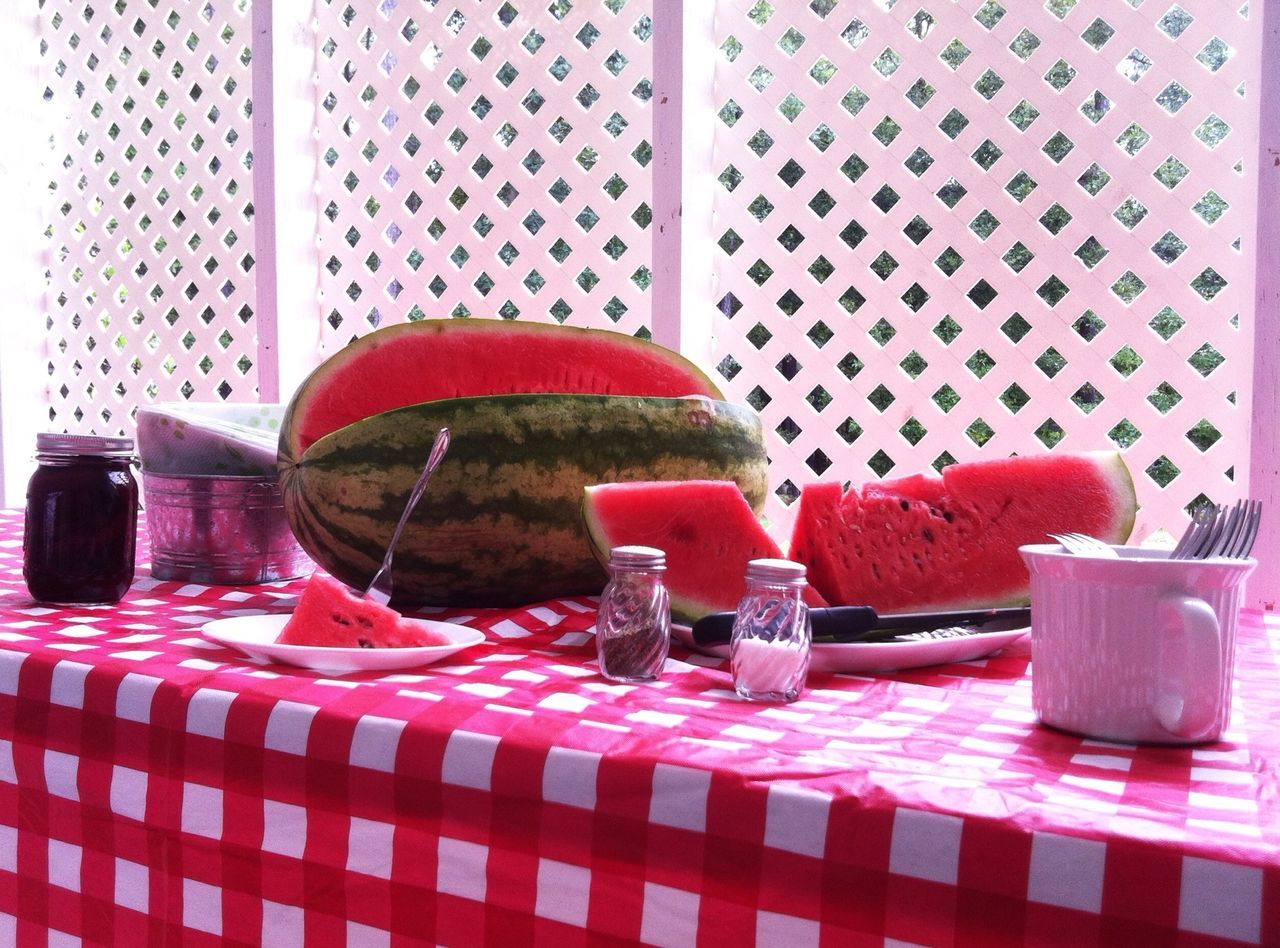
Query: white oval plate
[(256, 636), (914, 653), (859, 657)]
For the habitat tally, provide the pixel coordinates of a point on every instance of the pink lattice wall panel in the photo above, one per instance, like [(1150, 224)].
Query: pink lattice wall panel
[(151, 253), (485, 159), (961, 230), (944, 230)]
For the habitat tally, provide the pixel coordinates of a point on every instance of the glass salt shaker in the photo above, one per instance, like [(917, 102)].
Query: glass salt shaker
[(633, 628), (772, 634)]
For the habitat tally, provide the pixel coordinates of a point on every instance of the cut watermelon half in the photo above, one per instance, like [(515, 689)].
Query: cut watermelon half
[(950, 541), (330, 614), (432, 359), (706, 529)]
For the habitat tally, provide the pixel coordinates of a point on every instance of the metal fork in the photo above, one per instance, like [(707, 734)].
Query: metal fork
[(1081, 544), (1219, 532), (1197, 532), (379, 588)]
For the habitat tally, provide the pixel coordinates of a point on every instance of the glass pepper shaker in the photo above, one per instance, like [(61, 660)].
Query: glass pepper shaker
[(772, 634), (633, 628), (81, 520)]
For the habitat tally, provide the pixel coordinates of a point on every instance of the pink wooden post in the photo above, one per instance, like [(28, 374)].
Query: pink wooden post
[(1264, 467), (264, 203), (668, 114)]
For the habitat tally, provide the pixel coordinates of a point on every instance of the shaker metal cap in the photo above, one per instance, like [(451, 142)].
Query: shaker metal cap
[(48, 442), (637, 557), (776, 571)]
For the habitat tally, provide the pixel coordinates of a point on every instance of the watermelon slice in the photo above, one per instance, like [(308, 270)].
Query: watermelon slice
[(706, 528), (930, 542), (330, 614), (432, 359)]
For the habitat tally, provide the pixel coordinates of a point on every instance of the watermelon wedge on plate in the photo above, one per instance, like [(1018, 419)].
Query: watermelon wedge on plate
[(330, 614), (937, 542), (706, 528)]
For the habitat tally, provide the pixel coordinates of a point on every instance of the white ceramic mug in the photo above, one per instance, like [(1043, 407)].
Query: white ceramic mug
[(1136, 649)]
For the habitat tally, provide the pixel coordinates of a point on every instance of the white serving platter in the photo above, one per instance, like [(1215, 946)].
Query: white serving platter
[(861, 657), (255, 636)]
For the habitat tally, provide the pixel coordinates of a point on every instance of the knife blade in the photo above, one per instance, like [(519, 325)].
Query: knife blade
[(863, 623)]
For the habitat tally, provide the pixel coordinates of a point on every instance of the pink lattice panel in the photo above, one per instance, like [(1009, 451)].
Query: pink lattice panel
[(151, 253), (485, 159), (959, 230)]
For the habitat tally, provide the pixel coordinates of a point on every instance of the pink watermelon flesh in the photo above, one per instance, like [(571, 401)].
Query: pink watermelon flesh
[(330, 614), (706, 528), (410, 363), (929, 542)]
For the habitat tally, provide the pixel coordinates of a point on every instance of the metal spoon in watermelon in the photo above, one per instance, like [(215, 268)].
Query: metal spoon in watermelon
[(379, 588)]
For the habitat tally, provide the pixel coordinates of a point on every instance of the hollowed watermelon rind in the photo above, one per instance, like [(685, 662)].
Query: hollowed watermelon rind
[(434, 359), (931, 542)]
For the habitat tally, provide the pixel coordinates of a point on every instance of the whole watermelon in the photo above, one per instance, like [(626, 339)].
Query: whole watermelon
[(500, 523)]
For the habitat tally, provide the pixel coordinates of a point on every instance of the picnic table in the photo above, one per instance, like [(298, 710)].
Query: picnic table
[(158, 787)]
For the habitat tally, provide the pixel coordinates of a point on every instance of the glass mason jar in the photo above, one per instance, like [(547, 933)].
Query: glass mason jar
[(772, 635), (81, 520), (633, 628)]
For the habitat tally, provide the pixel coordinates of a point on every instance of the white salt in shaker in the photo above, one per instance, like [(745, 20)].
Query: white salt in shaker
[(633, 627), (772, 635)]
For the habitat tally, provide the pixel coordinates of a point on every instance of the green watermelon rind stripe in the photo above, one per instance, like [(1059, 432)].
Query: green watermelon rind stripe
[(531, 417), (352, 553), (347, 491)]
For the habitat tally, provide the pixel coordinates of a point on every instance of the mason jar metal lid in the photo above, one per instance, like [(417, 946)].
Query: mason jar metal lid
[(776, 571), (637, 557), (94, 445)]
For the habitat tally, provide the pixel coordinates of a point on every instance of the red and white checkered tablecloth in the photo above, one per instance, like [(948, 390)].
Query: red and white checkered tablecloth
[(156, 787)]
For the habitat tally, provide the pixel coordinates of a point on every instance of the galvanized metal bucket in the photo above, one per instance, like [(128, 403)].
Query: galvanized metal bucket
[(221, 530)]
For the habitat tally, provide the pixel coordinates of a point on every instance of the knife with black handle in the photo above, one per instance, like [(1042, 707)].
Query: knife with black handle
[(864, 624)]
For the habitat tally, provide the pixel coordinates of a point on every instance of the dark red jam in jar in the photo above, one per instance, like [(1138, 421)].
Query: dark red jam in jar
[(82, 520)]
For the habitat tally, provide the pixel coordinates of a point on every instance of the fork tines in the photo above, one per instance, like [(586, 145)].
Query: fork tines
[(1218, 531), (1082, 544), (1201, 521), (1248, 532)]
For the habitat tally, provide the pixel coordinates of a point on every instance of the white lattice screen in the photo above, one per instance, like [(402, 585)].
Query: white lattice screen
[(944, 230), (151, 240), (954, 230), (485, 159)]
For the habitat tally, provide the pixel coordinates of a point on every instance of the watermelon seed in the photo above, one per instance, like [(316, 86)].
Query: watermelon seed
[(927, 534)]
